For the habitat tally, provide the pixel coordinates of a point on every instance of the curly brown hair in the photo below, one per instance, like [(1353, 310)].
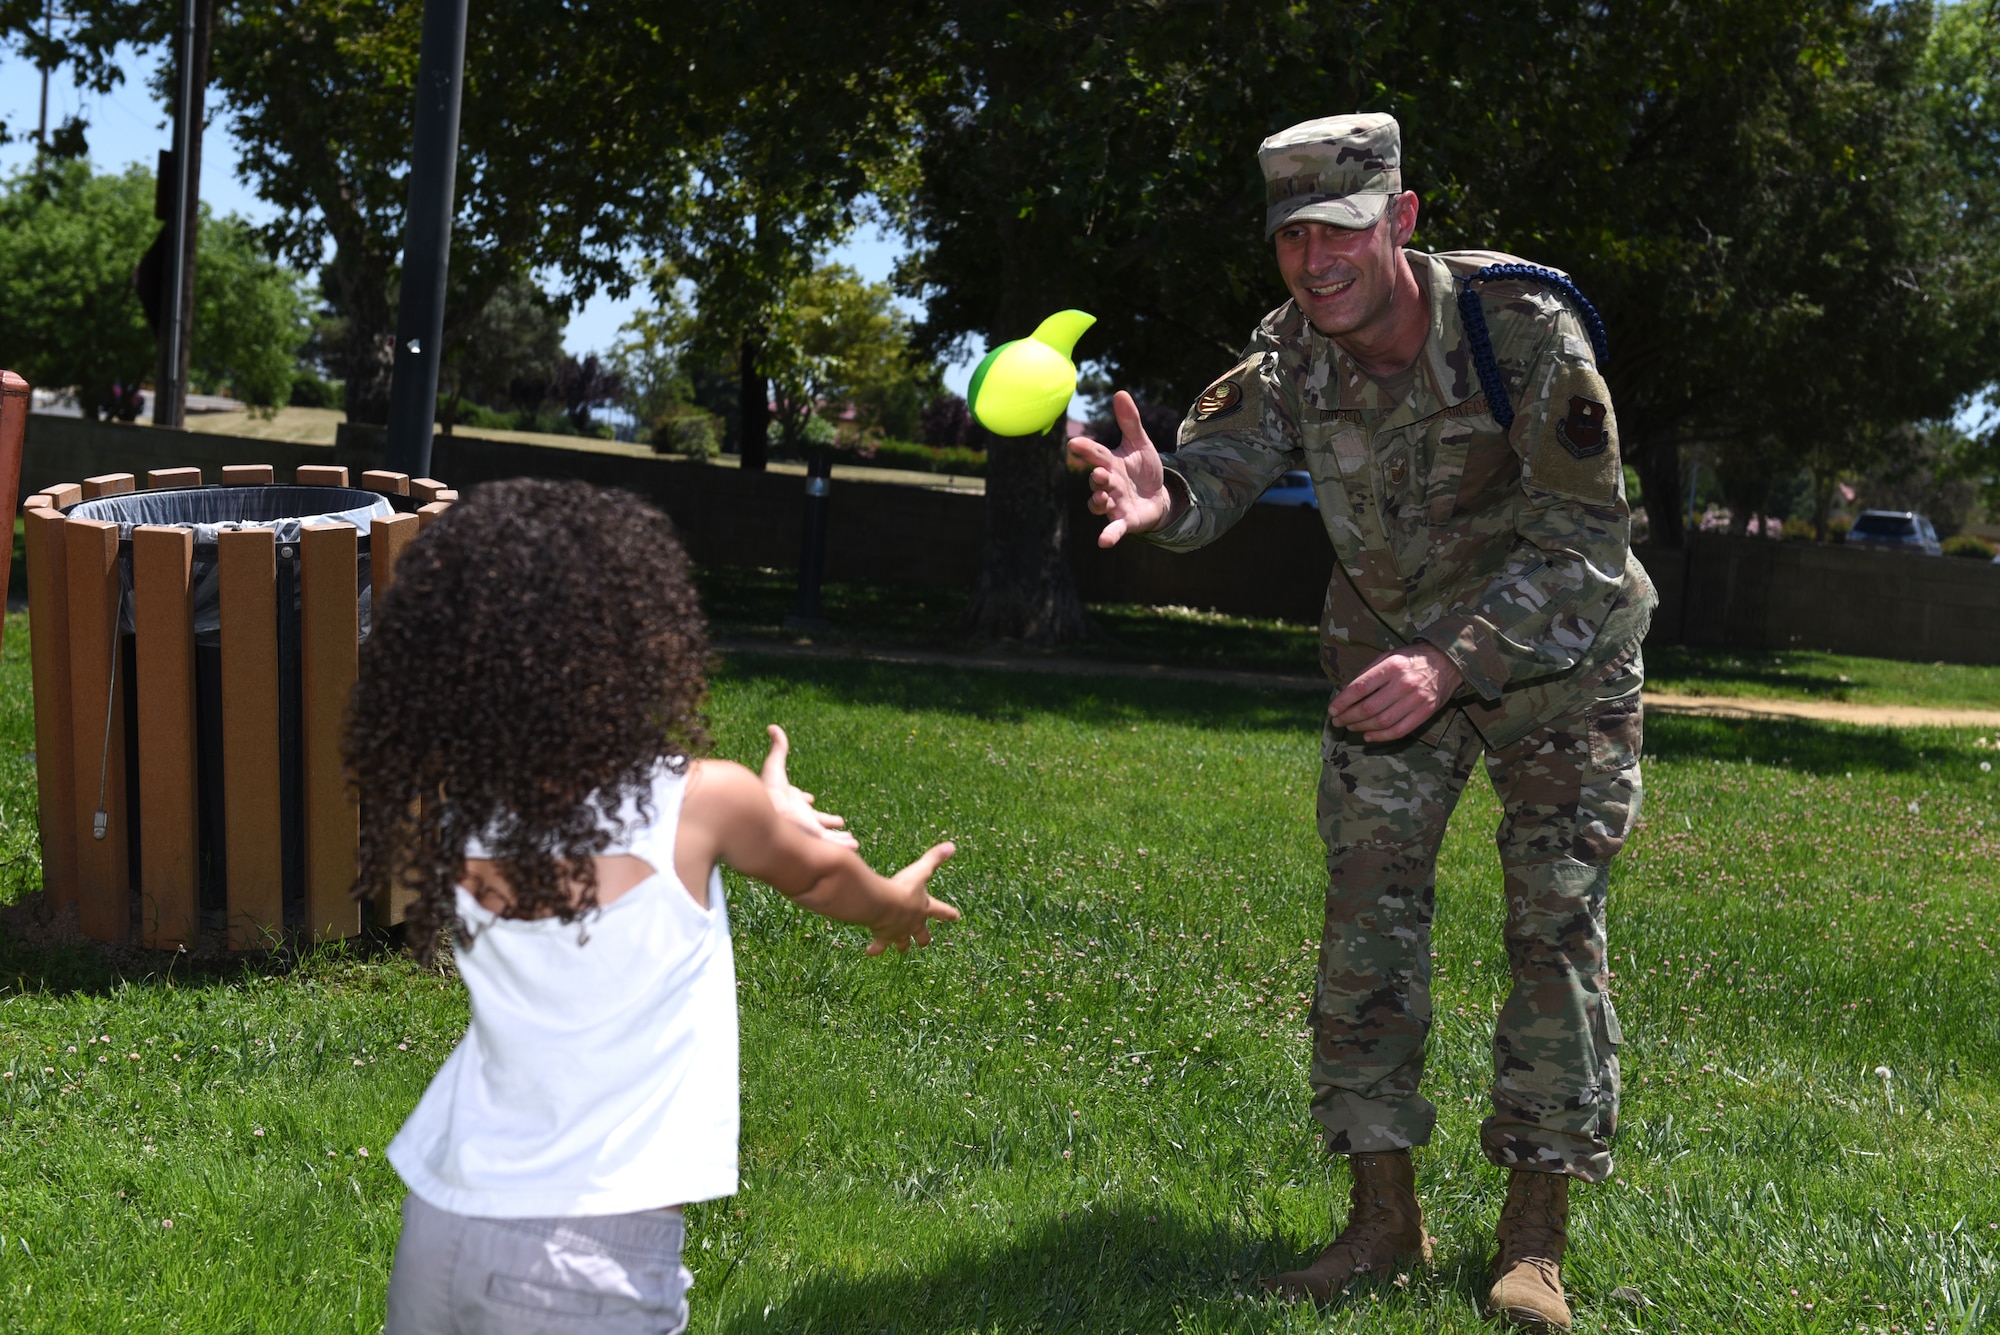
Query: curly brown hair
[(540, 652)]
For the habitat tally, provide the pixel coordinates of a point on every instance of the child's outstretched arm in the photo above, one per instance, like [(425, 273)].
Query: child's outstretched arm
[(795, 802), (728, 816)]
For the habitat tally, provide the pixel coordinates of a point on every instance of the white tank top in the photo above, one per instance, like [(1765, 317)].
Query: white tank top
[(599, 1072)]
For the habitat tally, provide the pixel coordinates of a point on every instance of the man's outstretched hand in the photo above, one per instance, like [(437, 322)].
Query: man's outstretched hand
[(1396, 693), (1127, 485)]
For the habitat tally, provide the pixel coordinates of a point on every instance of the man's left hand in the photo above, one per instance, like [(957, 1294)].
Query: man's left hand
[(1396, 693)]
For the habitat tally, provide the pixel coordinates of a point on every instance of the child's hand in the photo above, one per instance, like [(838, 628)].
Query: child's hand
[(796, 805), (910, 918)]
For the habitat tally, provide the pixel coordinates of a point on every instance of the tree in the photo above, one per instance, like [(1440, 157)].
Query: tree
[(1741, 185), (515, 338), (69, 241), (837, 342), (803, 114), (250, 317)]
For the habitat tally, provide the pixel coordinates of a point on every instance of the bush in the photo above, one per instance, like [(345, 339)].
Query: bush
[(690, 432), (1799, 530), (310, 389), (916, 458), (1836, 528), (1968, 546)]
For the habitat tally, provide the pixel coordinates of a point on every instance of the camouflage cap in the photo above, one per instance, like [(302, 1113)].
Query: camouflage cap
[(1342, 170)]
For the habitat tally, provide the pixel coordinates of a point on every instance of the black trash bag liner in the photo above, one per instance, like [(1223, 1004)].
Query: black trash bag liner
[(286, 510)]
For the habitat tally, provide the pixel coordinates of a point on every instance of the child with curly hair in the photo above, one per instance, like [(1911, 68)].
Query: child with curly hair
[(523, 739)]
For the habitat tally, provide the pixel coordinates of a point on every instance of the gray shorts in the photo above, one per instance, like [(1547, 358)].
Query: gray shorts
[(617, 1274)]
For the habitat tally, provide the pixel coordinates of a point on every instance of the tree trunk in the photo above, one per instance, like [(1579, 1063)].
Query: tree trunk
[(357, 285), (1660, 475), (1027, 588), (753, 417)]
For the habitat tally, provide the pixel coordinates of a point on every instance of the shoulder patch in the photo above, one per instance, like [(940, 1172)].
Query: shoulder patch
[(1218, 400), (1577, 455)]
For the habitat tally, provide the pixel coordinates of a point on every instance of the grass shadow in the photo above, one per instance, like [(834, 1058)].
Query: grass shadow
[(37, 955), (1797, 744), (1695, 669), (1013, 697), (1121, 1265)]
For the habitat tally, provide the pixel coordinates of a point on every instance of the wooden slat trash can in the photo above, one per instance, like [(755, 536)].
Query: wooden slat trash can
[(194, 649)]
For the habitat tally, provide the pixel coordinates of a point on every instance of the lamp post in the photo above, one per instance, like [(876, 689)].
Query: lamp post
[(181, 211), (427, 238)]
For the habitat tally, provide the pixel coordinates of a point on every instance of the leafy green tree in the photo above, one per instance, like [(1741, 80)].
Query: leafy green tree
[(1745, 187), (567, 118), (251, 317), (838, 343), (514, 339), (651, 355), (801, 114), (69, 317), (69, 242)]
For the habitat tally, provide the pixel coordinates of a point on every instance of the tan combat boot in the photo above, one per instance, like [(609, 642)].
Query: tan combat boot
[(1385, 1230), (1527, 1273)]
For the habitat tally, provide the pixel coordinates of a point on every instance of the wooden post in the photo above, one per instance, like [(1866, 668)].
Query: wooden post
[(169, 836), (97, 689), (253, 832), (321, 475), (387, 482), (15, 400), (248, 475), (426, 514), (425, 489), (62, 495), (55, 740), (159, 478), (329, 632), (388, 537), (108, 484)]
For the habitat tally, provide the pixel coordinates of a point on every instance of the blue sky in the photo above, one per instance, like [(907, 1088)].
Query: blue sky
[(128, 126)]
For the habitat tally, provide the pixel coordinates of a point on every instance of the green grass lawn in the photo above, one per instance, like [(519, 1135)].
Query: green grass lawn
[(752, 604), (1086, 1110), (1806, 675)]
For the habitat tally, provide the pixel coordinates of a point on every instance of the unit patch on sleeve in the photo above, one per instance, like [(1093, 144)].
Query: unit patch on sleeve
[(1218, 400), (1577, 455)]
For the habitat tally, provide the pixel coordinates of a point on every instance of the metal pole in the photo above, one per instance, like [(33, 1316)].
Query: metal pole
[(177, 276), (427, 238), (48, 35), (812, 546)]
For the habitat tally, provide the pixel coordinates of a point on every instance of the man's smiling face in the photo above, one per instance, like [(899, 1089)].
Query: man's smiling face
[(1344, 278)]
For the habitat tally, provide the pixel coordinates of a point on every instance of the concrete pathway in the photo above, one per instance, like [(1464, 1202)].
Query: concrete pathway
[(1662, 702)]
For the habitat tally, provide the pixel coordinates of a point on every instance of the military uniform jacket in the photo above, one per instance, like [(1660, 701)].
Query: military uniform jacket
[(1508, 550)]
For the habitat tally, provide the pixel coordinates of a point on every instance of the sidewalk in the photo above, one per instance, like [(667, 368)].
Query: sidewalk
[(1659, 702)]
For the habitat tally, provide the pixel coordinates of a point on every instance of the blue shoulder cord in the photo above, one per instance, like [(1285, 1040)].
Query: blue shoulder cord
[(1474, 317)]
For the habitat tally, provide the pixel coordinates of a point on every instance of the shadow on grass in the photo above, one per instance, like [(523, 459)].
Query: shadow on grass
[(754, 604), (1014, 697), (1124, 1265), (1692, 669), (39, 956), (1804, 745)]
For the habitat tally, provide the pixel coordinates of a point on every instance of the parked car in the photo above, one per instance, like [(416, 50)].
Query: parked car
[(1895, 531), (1292, 488)]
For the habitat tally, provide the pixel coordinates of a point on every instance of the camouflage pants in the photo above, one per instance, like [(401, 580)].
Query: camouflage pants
[(1570, 791)]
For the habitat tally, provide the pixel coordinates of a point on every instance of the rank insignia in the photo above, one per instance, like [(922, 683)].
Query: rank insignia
[(1581, 431), (1218, 400)]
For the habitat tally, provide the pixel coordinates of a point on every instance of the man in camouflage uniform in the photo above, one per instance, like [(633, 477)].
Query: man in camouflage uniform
[(1484, 601)]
